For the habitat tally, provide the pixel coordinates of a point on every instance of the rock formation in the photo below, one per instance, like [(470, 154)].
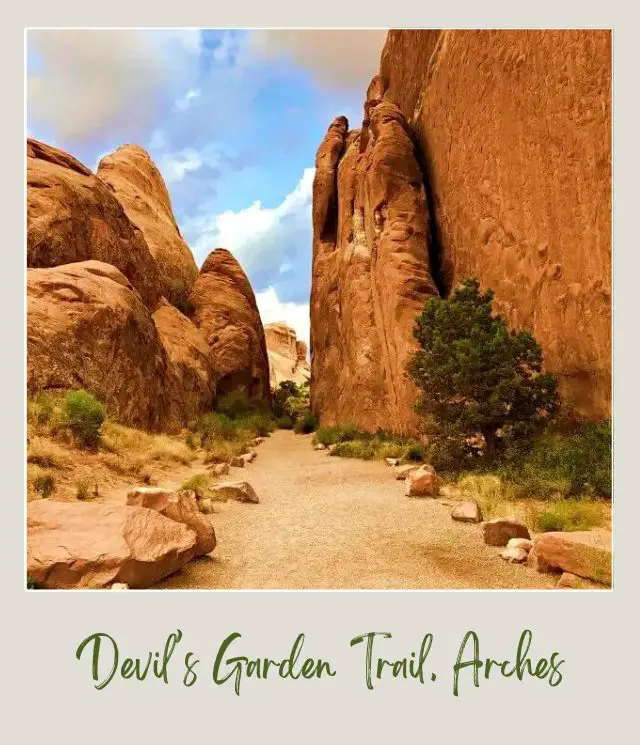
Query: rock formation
[(287, 355), (80, 545), (507, 154), (370, 271), (73, 216), (140, 188), (224, 309), (88, 328)]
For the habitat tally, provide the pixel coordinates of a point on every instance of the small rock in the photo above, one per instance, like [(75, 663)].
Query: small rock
[(401, 472), (219, 469), (570, 581), (392, 461), (320, 446), (332, 448), (249, 457), (205, 506), (119, 586), (241, 491), (237, 462), (523, 543), (259, 440), (423, 482), (467, 512), (514, 555), (499, 532)]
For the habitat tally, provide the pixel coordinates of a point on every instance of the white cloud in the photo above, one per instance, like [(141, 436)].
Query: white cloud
[(272, 309), (264, 240), (174, 166), (349, 57), (182, 104), (83, 83)]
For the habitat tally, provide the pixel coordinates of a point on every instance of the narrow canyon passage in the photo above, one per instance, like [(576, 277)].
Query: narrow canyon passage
[(333, 523)]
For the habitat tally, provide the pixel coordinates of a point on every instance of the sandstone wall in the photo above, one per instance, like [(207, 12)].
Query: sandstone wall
[(287, 355), (513, 143)]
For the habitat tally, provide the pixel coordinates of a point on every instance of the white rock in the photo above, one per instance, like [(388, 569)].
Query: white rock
[(523, 543), (514, 555), (392, 461), (119, 586)]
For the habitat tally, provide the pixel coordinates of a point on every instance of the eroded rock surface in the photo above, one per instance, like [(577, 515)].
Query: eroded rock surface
[(224, 309), (287, 355), (140, 188), (73, 216), (482, 153)]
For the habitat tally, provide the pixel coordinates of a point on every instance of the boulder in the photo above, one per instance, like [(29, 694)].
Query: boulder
[(514, 555), (205, 506), (287, 355), (180, 506), (423, 482), (392, 461), (72, 216), (259, 440), (585, 553), (249, 456), (499, 532), (219, 469), (224, 309), (87, 327), (467, 512), (139, 187), (241, 491), (320, 446), (119, 586), (190, 379), (237, 462), (539, 564), (400, 473), (87, 545)]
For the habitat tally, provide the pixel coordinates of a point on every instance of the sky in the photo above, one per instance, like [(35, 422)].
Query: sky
[(232, 118)]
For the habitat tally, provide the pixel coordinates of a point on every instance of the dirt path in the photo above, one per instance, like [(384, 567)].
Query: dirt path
[(336, 523)]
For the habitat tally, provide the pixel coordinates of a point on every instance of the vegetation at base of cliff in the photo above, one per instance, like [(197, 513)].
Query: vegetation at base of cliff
[(84, 415), (350, 442), (290, 406), (481, 384)]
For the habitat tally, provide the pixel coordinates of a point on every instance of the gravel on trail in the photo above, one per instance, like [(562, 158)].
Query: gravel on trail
[(325, 522)]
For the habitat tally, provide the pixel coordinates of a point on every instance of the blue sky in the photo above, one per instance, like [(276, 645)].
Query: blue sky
[(232, 119)]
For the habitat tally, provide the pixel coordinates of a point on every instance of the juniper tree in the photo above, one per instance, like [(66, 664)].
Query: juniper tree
[(474, 374)]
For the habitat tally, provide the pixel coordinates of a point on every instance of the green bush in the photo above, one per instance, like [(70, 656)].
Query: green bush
[(238, 405), (284, 422), (567, 515), (339, 433), (306, 423), (44, 484), (84, 416), (476, 375), (83, 490), (364, 449), (198, 483)]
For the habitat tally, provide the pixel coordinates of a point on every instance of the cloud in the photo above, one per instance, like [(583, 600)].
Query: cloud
[(174, 166), (182, 104), (83, 83), (342, 58), (272, 244), (272, 309)]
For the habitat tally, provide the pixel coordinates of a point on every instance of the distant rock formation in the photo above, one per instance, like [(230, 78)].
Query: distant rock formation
[(223, 307), (482, 153), (140, 188), (287, 355), (73, 216)]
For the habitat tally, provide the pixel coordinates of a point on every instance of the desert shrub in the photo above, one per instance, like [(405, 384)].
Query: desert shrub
[(489, 491), (306, 423), (339, 433), (566, 515), (476, 375), (290, 399), (260, 425), (284, 422), (198, 483), (191, 441), (222, 451), (238, 405), (83, 489), (170, 450), (364, 449), (42, 482), (84, 416)]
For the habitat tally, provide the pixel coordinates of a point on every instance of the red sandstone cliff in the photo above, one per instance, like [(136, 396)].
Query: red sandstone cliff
[(287, 355), (507, 159)]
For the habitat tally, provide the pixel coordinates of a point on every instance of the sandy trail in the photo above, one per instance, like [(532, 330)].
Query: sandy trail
[(337, 523)]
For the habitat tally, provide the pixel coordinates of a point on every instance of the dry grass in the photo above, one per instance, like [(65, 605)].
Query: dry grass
[(222, 451), (47, 453), (499, 498)]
